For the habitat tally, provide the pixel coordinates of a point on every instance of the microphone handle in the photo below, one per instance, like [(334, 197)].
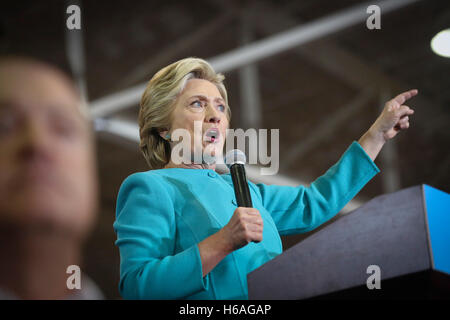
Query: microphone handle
[(241, 189)]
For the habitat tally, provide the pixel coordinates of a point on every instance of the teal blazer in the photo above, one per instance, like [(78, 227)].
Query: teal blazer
[(162, 215)]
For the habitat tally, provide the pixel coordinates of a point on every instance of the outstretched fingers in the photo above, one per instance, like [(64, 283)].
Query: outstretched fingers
[(402, 97)]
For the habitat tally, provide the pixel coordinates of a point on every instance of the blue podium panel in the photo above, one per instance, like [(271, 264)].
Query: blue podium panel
[(404, 234), (437, 204)]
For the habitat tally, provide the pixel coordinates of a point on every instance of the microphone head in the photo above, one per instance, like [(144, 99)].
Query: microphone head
[(235, 156)]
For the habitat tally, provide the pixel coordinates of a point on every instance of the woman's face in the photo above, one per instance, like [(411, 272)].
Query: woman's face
[(201, 104)]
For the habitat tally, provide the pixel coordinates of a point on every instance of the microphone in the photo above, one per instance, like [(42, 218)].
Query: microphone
[(235, 160)]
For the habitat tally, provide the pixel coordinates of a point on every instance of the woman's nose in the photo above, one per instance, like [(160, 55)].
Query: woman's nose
[(213, 119), (212, 115)]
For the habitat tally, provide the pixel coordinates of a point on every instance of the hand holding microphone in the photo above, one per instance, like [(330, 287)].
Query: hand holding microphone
[(246, 224)]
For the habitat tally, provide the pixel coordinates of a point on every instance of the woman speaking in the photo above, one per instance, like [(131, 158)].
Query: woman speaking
[(179, 230)]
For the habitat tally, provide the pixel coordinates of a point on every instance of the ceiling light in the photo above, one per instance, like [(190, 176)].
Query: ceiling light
[(440, 44)]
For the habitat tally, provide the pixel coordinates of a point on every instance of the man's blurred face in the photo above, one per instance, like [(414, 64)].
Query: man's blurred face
[(47, 167)]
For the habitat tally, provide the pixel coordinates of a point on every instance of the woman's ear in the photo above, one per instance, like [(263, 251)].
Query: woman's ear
[(165, 134)]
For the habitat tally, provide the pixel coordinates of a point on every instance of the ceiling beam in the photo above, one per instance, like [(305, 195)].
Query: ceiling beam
[(168, 54), (301, 34), (250, 111), (75, 54), (261, 49)]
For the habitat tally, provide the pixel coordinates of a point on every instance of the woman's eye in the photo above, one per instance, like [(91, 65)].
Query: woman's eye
[(221, 107), (197, 104)]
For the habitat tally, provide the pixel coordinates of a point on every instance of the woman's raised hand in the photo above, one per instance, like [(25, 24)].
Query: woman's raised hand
[(395, 116)]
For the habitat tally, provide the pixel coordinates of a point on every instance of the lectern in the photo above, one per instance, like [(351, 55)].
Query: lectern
[(406, 235)]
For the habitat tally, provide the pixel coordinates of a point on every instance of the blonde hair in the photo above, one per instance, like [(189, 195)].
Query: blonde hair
[(158, 102)]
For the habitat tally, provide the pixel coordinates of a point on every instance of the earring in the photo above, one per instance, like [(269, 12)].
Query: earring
[(168, 136)]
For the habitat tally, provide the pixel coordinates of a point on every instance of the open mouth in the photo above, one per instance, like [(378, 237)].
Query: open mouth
[(212, 135)]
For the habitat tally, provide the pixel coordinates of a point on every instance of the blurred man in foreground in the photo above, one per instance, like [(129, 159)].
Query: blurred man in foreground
[(48, 183)]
